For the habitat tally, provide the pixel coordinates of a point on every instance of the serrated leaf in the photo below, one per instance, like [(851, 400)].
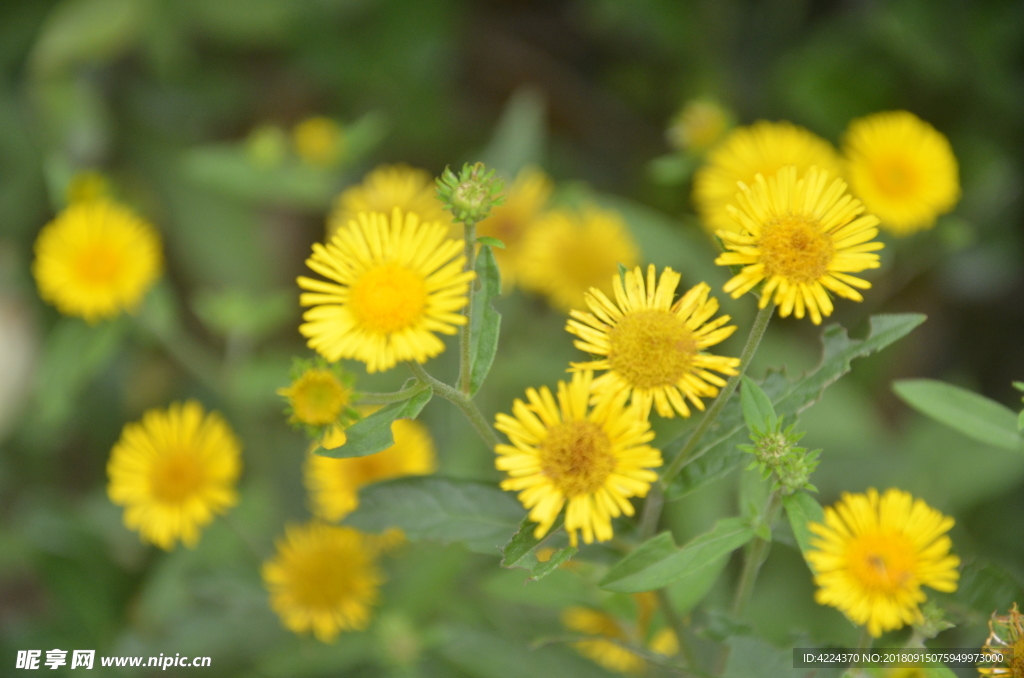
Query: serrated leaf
[(486, 322), (801, 509), (518, 551), (541, 570), (758, 412), (969, 413), (657, 562), (717, 455), (490, 242), (428, 508), (373, 433)]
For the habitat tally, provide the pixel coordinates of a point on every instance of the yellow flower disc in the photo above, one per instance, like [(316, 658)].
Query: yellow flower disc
[(395, 283), (762, 148), (652, 347), (323, 579), (903, 169), (698, 126), (605, 653), (566, 454), (319, 141), (96, 259), (801, 237), (334, 484), (874, 553), (173, 472), (384, 189), (511, 221), (317, 397), (567, 253)]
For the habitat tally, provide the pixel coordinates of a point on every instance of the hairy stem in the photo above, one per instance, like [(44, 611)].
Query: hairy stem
[(461, 401), (466, 331)]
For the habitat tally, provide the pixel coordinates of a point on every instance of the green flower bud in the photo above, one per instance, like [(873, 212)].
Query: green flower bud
[(470, 194)]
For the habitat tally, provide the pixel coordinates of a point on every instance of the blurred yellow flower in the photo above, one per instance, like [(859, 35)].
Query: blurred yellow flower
[(697, 126), (510, 222), (566, 454), (319, 141), (173, 472), (874, 553), (324, 579), (762, 148), (397, 281), (96, 259), (384, 189), (802, 237), (902, 168), (652, 347), (566, 253), (606, 653), (1005, 637), (318, 396), (87, 185), (334, 484)]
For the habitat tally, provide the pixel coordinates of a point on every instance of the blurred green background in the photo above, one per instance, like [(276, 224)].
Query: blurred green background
[(161, 95)]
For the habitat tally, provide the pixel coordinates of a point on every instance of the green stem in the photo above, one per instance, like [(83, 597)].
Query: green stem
[(651, 515), (388, 398), (466, 331), (461, 401), (764, 315)]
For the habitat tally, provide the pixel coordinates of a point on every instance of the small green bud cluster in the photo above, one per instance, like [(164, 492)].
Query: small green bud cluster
[(775, 449), (932, 623), (470, 194)]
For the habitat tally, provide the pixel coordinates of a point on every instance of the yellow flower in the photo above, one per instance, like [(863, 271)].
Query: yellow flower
[(902, 168), (173, 472), (324, 579), (96, 259), (802, 237), (319, 141), (567, 253), (762, 148), (88, 185), (698, 126), (396, 282), (334, 484), (652, 347), (567, 454), (606, 653), (510, 222), (319, 396), (384, 189), (1006, 636), (874, 553)]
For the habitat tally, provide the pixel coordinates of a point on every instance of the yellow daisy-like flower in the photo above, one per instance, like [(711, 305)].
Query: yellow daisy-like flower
[(319, 141), (802, 237), (1006, 637), (510, 222), (874, 553), (698, 126), (606, 653), (334, 484), (652, 347), (324, 579), (318, 396), (566, 454), (396, 282), (384, 189), (173, 472), (96, 259), (567, 253), (902, 168), (762, 148)]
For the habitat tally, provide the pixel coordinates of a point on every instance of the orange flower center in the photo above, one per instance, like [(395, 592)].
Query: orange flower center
[(795, 248), (577, 456), (651, 348), (318, 397), (98, 265), (316, 582), (177, 477), (389, 298), (895, 177), (882, 563)]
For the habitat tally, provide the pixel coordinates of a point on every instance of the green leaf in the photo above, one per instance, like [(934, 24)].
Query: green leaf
[(519, 136), (984, 587), (235, 311), (758, 412), (686, 592), (658, 562), (802, 508), (486, 322), (87, 31), (718, 455), (373, 434), (973, 415), (519, 549), (671, 169), (447, 510), (490, 242), (756, 658), (541, 570)]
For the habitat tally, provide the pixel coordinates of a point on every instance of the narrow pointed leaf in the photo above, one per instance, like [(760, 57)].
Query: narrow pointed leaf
[(541, 570), (801, 509), (518, 551), (373, 434), (486, 321), (758, 412), (973, 415)]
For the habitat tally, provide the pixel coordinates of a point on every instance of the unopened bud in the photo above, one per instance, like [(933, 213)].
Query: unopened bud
[(470, 194)]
